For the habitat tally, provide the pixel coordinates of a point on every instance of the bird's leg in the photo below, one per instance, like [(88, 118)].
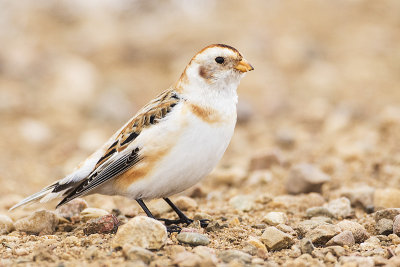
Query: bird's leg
[(170, 228), (182, 217)]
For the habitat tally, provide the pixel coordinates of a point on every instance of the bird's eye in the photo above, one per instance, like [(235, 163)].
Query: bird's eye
[(219, 60)]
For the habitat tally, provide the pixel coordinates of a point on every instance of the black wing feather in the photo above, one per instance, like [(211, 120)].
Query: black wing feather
[(95, 179)]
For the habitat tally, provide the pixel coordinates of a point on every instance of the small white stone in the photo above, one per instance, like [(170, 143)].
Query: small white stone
[(194, 239), (141, 231), (274, 218), (340, 208), (242, 203)]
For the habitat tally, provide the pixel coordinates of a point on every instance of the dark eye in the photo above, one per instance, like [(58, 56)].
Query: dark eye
[(219, 60)]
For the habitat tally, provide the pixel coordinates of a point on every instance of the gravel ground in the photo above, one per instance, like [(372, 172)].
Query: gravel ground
[(311, 177)]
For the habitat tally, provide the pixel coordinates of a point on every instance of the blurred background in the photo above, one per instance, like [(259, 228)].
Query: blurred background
[(325, 89)]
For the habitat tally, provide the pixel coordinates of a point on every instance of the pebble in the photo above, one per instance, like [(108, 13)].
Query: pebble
[(394, 238), (387, 198), (285, 138), (194, 239), (72, 208), (187, 259), (21, 252), (342, 239), (396, 225), (259, 177), (265, 159), (340, 208), (215, 226), (141, 231), (390, 213), (370, 244), (335, 250), (92, 213), (362, 195), (307, 225), (174, 249), (357, 261), (159, 207), (306, 246), (6, 224), (323, 233), (275, 239), (103, 225), (207, 255), (254, 241), (274, 218), (286, 229), (384, 226), (242, 203), (319, 211), (359, 232), (185, 203), (229, 176), (135, 253), (235, 255), (305, 178), (41, 222)]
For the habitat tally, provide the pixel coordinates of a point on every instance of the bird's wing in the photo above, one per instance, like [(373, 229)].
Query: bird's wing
[(118, 158)]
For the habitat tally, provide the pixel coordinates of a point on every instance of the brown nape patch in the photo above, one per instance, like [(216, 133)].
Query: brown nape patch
[(140, 170), (205, 114)]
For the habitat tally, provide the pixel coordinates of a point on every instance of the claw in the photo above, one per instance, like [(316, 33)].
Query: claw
[(204, 223), (173, 229)]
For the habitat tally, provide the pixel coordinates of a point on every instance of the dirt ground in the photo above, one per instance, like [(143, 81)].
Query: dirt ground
[(324, 92)]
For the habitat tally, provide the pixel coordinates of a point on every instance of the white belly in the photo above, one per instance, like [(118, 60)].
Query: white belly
[(197, 150)]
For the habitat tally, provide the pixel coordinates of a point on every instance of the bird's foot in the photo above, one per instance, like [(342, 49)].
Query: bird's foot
[(187, 221), (173, 229)]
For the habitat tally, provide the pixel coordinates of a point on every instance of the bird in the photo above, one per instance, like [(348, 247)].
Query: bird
[(167, 146)]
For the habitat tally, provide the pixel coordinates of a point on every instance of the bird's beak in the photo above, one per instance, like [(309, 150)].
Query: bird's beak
[(244, 66)]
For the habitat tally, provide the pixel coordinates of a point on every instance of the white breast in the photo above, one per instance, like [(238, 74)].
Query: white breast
[(196, 147)]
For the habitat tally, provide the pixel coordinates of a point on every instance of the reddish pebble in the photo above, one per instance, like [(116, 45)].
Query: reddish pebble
[(103, 225)]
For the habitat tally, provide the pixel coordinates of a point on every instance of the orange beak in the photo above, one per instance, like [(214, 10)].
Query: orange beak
[(244, 66)]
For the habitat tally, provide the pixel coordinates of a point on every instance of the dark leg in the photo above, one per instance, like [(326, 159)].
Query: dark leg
[(170, 228), (182, 217)]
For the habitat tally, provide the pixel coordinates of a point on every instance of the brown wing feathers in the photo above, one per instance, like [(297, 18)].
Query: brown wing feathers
[(150, 114)]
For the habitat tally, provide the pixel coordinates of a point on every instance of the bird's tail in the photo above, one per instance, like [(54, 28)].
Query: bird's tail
[(43, 195)]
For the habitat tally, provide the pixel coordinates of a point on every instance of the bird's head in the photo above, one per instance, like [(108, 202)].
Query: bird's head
[(216, 66)]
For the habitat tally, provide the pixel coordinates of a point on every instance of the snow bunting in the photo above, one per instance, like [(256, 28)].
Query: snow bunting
[(170, 144)]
